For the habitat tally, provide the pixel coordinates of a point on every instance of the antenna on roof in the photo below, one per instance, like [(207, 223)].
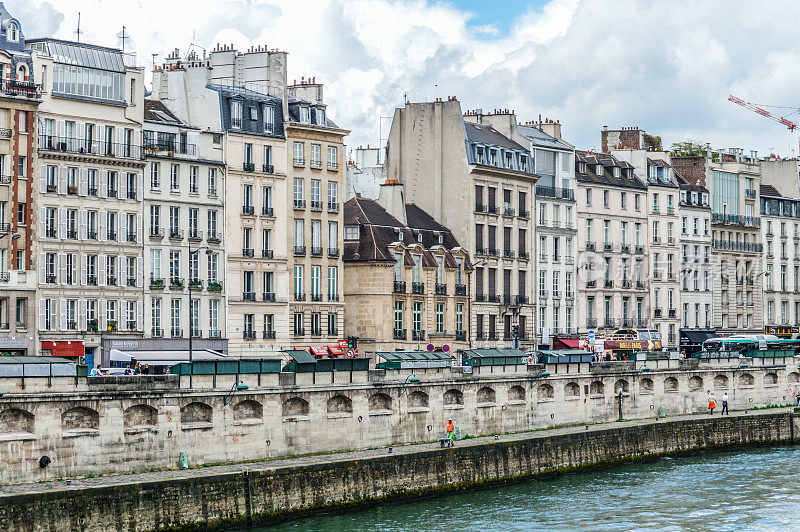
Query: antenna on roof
[(78, 31), (123, 35)]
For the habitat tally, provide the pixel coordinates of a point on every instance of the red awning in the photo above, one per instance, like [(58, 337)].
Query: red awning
[(335, 350), (70, 348), (566, 343), (319, 351)]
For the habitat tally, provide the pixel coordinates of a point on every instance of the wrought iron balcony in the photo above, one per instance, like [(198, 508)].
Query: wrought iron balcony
[(399, 287)]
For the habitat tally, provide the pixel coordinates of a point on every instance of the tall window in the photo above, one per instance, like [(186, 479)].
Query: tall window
[(213, 318), (333, 283), (398, 316), (269, 120), (416, 316), (316, 155), (298, 281), (315, 283), (174, 177), (333, 157), (212, 181), (439, 317), (175, 317), (236, 114), (298, 153), (299, 237), (155, 316)]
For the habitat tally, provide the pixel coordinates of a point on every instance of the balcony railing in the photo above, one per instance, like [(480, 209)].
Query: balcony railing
[(269, 335), (333, 207), (316, 251), (131, 237), (176, 234), (399, 334), (736, 219), (248, 253), (269, 297), (168, 148), (417, 288), (461, 290), (555, 192), (249, 335), (441, 289), (156, 232), (333, 252), (94, 147), (316, 205), (195, 235), (299, 250), (299, 203), (418, 336), (299, 297), (267, 254), (268, 169), (737, 246), (248, 210), (268, 212), (461, 336), (399, 287), (248, 167), (21, 89), (248, 296)]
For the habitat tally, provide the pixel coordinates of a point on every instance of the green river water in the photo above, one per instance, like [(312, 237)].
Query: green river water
[(746, 490)]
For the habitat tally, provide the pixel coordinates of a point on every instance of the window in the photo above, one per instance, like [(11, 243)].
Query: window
[(316, 155), (212, 181), (589, 197), (268, 168), (248, 155), (416, 316), (305, 115), (236, 114), (606, 202), (299, 232), (333, 196), (439, 317), (174, 177), (315, 283), (298, 190), (269, 119), (298, 153), (351, 232), (193, 170), (298, 281), (333, 291), (175, 317), (316, 203), (398, 317), (333, 157)]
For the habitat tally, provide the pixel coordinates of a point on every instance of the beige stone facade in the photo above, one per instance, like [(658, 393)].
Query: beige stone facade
[(470, 178)]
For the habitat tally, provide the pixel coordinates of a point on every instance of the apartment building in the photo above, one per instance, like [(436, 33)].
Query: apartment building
[(19, 98), (612, 205), (694, 239), (243, 97), (315, 168), (651, 163), (732, 179), (780, 233), (184, 240), (555, 215), (394, 254), (88, 196), (446, 161)]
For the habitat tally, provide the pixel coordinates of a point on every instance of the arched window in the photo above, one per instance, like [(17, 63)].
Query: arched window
[(13, 33), (22, 73)]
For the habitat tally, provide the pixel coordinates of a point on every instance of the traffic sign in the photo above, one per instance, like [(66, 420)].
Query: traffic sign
[(430, 347), (351, 353), (590, 334), (445, 348), (343, 344)]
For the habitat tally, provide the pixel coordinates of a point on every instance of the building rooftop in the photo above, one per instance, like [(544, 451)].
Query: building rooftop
[(486, 134), (769, 190), (80, 54), (586, 170), (379, 229), (156, 111), (541, 139)]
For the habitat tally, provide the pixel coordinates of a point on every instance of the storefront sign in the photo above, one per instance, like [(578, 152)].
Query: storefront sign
[(64, 349), (13, 342)]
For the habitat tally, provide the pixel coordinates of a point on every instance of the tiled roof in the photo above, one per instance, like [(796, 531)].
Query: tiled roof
[(658, 162), (685, 185), (769, 190), (379, 229), (486, 134)]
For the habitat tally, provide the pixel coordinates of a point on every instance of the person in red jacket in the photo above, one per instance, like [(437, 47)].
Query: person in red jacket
[(450, 428)]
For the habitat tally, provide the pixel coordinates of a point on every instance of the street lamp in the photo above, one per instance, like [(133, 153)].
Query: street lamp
[(208, 252)]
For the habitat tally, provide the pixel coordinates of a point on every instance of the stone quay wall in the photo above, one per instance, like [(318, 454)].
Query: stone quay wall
[(272, 494), (108, 425)]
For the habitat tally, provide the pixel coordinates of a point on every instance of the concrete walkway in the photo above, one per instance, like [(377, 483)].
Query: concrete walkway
[(272, 464)]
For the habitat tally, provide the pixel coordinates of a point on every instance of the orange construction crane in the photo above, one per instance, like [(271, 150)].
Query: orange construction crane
[(756, 108)]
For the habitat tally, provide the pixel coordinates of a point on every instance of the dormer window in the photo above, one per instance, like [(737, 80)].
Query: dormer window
[(582, 167), (351, 232), (493, 157), (616, 172), (22, 73), (321, 117), (523, 160), (305, 115), (400, 236), (683, 196), (599, 169), (236, 114), (13, 32), (419, 237), (253, 114), (705, 198), (269, 118), (441, 239)]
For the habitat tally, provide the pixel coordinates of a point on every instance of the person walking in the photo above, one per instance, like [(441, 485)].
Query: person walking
[(724, 404), (96, 372), (712, 404), (450, 428)]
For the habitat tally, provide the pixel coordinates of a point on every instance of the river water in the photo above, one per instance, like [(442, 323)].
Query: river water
[(746, 490)]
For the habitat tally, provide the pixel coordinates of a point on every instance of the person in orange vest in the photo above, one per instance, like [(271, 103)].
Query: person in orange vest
[(712, 404), (450, 432)]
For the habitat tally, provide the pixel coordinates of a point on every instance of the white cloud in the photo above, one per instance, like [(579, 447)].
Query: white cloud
[(664, 66)]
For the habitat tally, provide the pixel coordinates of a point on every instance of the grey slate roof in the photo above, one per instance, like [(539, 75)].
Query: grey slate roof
[(606, 176), (156, 111), (541, 139), (486, 134)]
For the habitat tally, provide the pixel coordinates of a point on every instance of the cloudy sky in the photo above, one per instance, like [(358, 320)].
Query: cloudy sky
[(664, 65)]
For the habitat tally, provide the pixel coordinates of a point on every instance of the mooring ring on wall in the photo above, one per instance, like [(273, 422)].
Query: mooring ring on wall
[(504, 407), (552, 416), (44, 461), (429, 428), (169, 433), (360, 419), (652, 407), (269, 443), (750, 400)]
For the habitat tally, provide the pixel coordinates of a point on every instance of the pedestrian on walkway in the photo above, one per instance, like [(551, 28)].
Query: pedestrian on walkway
[(96, 372), (725, 404), (450, 428), (712, 404)]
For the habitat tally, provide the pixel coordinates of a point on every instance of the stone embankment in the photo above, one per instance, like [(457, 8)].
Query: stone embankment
[(273, 490)]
